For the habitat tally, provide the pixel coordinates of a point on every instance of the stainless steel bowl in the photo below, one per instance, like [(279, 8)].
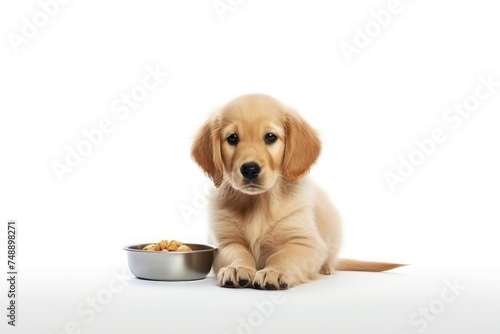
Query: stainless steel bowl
[(170, 266)]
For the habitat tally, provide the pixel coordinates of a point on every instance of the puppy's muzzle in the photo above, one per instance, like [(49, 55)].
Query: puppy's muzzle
[(250, 170)]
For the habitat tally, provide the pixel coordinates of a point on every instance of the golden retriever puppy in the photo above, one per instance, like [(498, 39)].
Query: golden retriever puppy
[(275, 228)]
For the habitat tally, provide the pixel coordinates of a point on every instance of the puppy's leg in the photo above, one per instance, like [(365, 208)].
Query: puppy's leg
[(328, 222), (235, 266), (292, 264), (328, 268), (333, 246)]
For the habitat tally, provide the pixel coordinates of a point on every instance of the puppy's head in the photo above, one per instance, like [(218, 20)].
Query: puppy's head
[(253, 143)]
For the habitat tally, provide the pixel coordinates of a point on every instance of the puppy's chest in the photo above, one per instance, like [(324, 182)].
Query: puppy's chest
[(261, 232), (257, 226)]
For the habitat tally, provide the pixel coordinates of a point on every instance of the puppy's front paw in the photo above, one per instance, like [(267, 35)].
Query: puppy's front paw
[(270, 279), (235, 277)]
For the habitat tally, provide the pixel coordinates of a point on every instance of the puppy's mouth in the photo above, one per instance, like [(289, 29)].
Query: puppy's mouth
[(251, 188)]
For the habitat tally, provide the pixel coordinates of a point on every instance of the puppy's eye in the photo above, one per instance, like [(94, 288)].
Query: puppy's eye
[(233, 139), (271, 138)]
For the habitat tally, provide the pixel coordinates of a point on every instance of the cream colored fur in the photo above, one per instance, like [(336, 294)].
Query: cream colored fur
[(280, 229)]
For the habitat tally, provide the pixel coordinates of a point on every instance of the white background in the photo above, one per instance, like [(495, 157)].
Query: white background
[(134, 185)]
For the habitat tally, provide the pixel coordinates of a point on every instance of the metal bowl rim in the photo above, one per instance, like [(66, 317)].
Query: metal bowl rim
[(209, 248)]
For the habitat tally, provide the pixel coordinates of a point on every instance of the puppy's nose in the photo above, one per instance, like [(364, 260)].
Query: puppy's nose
[(250, 170)]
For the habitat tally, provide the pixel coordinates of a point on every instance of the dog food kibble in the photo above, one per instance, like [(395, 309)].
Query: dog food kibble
[(166, 246), (150, 247), (183, 248), (163, 244), (173, 245)]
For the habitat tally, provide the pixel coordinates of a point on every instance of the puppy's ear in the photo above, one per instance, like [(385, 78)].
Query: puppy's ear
[(206, 151), (302, 147)]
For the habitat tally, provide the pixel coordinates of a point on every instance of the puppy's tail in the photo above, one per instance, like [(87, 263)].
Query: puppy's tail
[(355, 265)]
